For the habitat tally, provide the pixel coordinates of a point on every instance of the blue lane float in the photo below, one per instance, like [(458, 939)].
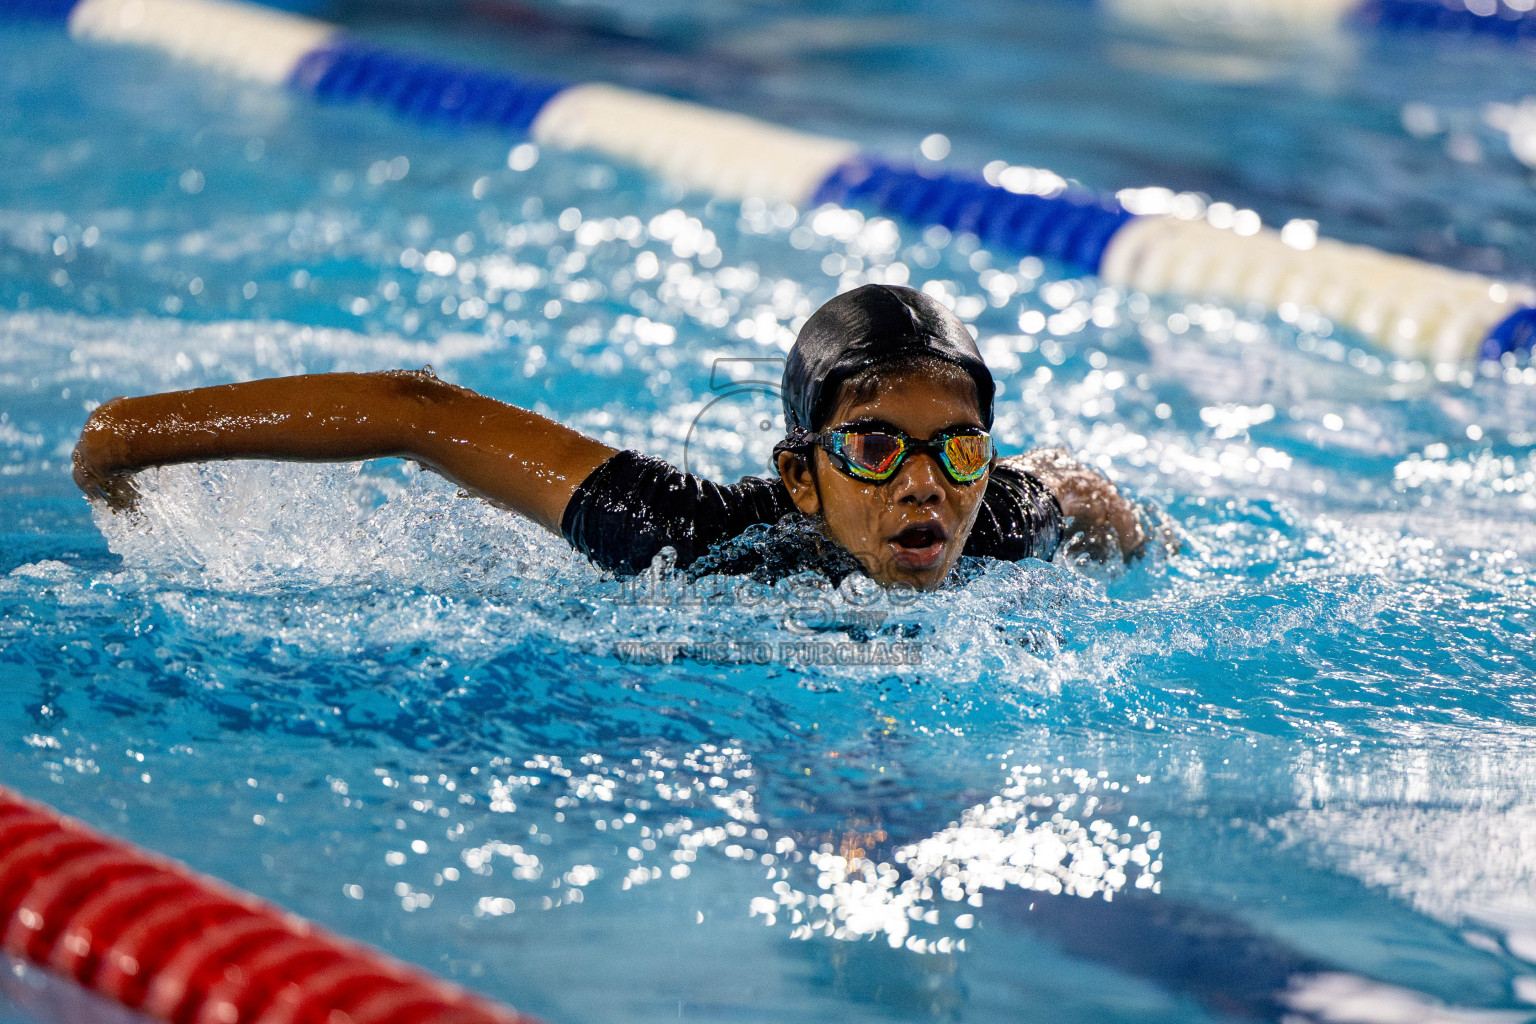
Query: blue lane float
[(1515, 334), (36, 10), (1510, 20), (1497, 19), (1142, 239), (343, 71), (1073, 228)]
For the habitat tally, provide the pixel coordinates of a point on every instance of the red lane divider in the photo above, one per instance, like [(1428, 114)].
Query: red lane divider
[(181, 947)]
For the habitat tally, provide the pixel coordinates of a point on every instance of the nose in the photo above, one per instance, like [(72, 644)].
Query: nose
[(920, 482)]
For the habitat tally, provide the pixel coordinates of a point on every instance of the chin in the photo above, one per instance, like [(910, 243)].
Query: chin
[(917, 578)]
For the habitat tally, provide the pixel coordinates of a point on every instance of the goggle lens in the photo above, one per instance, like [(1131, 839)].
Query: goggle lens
[(872, 456), (966, 456)]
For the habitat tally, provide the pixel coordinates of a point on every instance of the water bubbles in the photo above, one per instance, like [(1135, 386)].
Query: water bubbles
[(523, 156), (393, 169), (1024, 180), (934, 147), (1299, 234)]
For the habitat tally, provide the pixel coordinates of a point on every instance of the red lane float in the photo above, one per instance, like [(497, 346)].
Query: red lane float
[(171, 944)]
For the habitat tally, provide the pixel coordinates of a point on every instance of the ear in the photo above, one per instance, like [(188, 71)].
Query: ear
[(800, 482)]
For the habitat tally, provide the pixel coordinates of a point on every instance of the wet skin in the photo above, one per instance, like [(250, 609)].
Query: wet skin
[(911, 528)]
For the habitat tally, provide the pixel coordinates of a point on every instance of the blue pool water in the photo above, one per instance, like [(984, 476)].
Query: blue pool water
[(1300, 755)]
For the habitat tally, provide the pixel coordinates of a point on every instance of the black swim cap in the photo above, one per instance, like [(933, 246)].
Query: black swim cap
[(870, 326)]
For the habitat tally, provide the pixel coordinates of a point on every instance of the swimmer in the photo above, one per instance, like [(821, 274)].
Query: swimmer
[(888, 454)]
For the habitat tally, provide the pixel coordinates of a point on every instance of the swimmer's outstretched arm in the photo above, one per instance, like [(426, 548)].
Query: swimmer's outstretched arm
[(1101, 521), (509, 456)]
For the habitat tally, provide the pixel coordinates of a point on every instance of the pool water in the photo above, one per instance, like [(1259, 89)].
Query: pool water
[(1290, 769)]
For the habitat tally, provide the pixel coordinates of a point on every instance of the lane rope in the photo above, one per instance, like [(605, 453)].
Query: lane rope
[(180, 947), (1414, 310), (1509, 20)]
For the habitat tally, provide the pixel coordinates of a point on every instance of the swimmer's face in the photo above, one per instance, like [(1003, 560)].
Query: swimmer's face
[(911, 528)]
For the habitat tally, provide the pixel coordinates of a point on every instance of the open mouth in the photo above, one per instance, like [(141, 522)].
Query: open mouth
[(919, 546)]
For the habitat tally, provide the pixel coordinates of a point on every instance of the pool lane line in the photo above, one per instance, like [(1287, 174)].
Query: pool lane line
[(157, 938), (1507, 20), (1412, 309)]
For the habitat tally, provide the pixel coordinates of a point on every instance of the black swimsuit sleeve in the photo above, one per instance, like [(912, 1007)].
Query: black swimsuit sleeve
[(632, 506), (1019, 518)]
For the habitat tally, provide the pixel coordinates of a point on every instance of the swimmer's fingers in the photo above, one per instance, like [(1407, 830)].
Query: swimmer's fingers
[(1098, 542), (120, 494), (1162, 532), (116, 489), (96, 461), (1108, 525)]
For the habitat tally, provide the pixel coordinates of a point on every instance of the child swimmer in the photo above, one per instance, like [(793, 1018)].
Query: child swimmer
[(887, 402)]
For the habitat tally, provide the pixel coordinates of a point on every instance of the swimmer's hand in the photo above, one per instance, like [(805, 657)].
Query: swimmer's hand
[(98, 469), (1101, 522)]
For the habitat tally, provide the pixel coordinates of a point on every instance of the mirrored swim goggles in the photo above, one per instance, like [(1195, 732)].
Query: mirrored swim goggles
[(875, 455)]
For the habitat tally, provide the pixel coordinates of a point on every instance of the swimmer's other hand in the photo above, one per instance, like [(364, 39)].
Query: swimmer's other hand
[(1101, 523), (97, 471)]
